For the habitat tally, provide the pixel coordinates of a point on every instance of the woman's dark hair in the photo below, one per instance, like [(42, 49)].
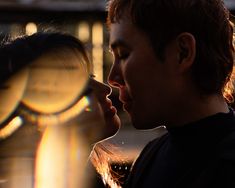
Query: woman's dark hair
[(20, 52), (207, 20)]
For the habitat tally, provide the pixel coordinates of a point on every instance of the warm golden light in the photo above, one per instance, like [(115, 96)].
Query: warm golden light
[(11, 127), (51, 152), (83, 32), (97, 34), (97, 51), (30, 28), (107, 180), (61, 158)]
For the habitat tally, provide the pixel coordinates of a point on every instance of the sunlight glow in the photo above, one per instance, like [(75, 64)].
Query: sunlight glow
[(30, 28), (61, 158), (97, 51), (83, 32), (109, 181), (11, 127)]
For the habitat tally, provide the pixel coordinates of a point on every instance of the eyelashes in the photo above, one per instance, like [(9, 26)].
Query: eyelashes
[(120, 54)]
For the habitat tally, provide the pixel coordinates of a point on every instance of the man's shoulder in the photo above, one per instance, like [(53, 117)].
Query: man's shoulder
[(157, 142), (226, 149), (144, 160), (153, 146)]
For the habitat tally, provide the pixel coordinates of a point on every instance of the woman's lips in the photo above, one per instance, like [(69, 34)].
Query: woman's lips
[(110, 112), (109, 109)]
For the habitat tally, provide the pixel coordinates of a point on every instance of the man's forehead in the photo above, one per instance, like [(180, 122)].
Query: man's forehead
[(120, 34)]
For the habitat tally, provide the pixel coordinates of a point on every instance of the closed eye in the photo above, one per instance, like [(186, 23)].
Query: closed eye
[(123, 56)]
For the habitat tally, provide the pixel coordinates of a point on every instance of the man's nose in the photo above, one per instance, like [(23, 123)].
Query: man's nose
[(107, 89), (115, 78)]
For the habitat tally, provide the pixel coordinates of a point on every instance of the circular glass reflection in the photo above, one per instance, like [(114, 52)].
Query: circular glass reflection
[(11, 93), (55, 82)]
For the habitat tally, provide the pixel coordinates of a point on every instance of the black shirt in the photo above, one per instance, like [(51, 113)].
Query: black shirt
[(199, 154)]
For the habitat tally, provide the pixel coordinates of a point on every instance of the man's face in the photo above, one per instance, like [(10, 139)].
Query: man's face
[(146, 84)]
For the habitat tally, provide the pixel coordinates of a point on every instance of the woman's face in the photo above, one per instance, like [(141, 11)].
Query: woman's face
[(57, 81), (111, 120)]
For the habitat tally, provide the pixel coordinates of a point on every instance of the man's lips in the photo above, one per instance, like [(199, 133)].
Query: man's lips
[(127, 106), (125, 99)]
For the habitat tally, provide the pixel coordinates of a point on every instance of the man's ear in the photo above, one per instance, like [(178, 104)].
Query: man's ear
[(186, 45)]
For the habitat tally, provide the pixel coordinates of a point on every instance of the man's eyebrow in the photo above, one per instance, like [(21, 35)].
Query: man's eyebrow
[(116, 44)]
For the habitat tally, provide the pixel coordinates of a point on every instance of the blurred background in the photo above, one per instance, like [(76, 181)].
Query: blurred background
[(85, 19)]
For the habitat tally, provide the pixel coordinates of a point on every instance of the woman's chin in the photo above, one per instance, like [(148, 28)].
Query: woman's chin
[(112, 127)]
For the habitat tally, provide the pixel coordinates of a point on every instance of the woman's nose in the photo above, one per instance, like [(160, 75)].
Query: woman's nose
[(101, 88)]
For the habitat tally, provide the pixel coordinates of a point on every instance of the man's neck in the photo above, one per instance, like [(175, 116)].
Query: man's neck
[(195, 109)]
